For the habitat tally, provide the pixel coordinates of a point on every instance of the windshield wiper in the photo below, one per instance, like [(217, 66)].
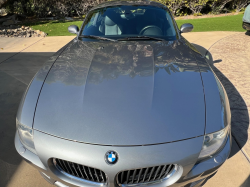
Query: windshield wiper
[(97, 37), (141, 38)]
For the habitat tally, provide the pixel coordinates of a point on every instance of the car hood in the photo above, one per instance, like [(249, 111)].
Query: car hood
[(123, 93)]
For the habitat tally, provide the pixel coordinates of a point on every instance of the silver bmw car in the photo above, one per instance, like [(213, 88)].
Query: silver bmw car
[(128, 102)]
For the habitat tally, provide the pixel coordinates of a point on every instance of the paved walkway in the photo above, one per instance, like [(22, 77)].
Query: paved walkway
[(21, 58)]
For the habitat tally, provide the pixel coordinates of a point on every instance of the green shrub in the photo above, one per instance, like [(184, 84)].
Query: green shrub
[(233, 10), (62, 8), (197, 14)]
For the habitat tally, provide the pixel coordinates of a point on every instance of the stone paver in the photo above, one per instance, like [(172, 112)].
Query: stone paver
[(16, 44), (50, 44), (27, 176), (16, 72), (207, 39)]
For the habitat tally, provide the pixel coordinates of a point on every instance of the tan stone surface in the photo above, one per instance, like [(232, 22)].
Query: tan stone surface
[(16, 44), (50, 44), (27, 176), (11, 46), (207, 39)]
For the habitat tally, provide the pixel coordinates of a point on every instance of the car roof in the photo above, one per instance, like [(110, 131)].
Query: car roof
[(130, 2)]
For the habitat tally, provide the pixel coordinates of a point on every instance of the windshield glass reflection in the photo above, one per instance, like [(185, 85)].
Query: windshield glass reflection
[(131, 20)]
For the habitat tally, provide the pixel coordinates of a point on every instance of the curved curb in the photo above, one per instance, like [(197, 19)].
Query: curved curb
[(219, 41)]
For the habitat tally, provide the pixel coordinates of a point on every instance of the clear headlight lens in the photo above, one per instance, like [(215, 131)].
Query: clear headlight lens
[(26, 136), (213, 142)]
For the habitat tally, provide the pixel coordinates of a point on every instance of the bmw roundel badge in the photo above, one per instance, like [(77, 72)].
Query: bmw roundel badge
[(111, 157)]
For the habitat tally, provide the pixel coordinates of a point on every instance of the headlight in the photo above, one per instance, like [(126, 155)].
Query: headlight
[(213, 142), (26, 136)]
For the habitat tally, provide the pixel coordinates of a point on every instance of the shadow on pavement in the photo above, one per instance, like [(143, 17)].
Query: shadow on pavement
[(247, 33), (15, 75), (246, 182)]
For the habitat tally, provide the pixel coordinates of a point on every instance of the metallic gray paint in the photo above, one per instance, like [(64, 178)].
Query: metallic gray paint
[(73, 29), (28, 102), (184, 153), (187, 27), (123, 93), (218, 113), (157, 60)]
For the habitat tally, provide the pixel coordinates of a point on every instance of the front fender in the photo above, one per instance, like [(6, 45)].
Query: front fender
[(29, 99)]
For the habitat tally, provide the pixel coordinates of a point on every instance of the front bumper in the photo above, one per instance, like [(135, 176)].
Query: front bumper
[(183, 153)]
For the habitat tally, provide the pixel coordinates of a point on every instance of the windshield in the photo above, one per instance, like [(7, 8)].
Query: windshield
[(130, 21)]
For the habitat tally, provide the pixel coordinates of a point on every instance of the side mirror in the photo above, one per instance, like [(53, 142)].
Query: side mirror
[(73, 29), (187, 27)]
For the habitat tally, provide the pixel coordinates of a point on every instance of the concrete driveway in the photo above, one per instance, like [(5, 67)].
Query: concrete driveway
[(21, 58)]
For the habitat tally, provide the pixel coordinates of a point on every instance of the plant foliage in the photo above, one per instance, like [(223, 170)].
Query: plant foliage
[(64, 8)]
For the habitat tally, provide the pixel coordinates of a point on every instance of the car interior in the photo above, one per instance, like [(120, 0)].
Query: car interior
[(115, 22)]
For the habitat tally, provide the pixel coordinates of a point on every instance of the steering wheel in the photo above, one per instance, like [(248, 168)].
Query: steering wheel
[(148, 27)]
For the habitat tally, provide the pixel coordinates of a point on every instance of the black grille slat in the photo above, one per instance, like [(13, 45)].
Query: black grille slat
[(127, 177), (97, 177), (80, 171), (162, 171), (74, 167), (78, 167), (133, 178), (60, 164), (167, 171), (139, 176), (90, 173), (157, 171), (86, 173), (66, 168), (151, 173), (122, 176), (144, 175), (72, 173), (103, 176)]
